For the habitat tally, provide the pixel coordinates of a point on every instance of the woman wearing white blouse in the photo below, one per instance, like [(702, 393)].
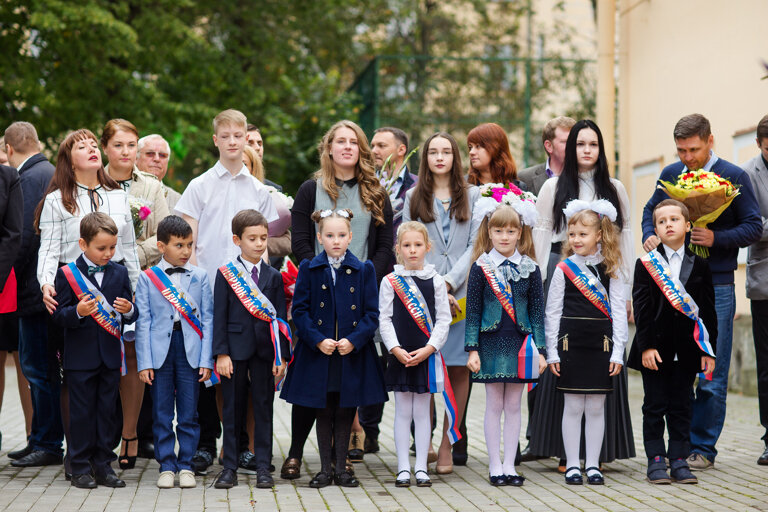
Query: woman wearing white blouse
[(585, 176), (80, 186)]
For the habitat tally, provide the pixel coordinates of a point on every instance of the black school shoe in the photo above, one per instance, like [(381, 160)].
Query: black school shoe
[(596, 478), (264, 479), (345, 479), (515, 480), (497, 481), (17, 454), (84, 481), (202, 460), (110, 480), (405, 481), (226, 479), (320, 480), (38, 458), (657, 471), (575, 478), (681, 473)]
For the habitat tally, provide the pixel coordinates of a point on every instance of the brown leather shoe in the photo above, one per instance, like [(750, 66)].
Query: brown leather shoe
[(291, 469)]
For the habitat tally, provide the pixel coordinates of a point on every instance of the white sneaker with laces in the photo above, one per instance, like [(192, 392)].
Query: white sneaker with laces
[(166, 480), (187, 479)]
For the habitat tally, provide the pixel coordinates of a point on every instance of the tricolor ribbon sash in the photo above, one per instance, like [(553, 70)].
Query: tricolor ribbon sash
[(588, 284), (674, 291), (260, 307), (105, 315), (413, 300), (528, 355), (215, 379), (181, 302), (499, 286)]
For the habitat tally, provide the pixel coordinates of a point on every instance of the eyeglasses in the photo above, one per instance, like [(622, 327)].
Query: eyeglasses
[(152, 154)]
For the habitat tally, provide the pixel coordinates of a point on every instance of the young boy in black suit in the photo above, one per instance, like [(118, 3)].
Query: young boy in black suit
[(671, 344), (94, 296), (243, 345)]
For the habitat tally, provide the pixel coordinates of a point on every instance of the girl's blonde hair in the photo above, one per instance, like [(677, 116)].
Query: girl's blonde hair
[(253, 163), (407, 227), (372, 194), (501, 217), (317, 217), (609, 239)]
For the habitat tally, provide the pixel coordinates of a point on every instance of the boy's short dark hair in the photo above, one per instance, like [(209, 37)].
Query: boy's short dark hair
[(173, 225), (95, 222), (672, 202), (245, 219)]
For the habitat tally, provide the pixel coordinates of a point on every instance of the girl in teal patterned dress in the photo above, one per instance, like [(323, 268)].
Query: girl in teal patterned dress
[(505, 327)]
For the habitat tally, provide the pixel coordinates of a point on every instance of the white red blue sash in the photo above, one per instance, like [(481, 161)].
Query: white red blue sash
[(105, 315), (181, 302), (528, 355), (674, 291), (437, 374), (260, 307), (588, 284)]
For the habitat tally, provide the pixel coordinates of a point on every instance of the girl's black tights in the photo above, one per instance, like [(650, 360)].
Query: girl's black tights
[(333, 427)]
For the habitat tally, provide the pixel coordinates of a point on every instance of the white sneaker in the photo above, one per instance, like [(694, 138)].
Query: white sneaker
[(187, 479), (165, 480)]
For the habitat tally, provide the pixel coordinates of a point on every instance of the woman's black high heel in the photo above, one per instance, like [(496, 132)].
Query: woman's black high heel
[(126, 462)]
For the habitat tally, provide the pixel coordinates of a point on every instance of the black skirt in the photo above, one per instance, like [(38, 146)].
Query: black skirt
[(584, 346), (547, 418)]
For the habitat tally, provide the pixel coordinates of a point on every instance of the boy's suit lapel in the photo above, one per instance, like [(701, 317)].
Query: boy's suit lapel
[(686, 268)]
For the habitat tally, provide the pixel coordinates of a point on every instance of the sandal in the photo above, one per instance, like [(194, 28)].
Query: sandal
[(126, 462)]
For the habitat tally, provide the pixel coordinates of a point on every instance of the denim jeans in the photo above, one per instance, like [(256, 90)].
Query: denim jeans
[(175, 377), (709, 397), (47, 429)]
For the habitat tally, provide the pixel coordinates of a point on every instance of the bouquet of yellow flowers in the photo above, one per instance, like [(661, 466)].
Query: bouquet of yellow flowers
[(706, 194)]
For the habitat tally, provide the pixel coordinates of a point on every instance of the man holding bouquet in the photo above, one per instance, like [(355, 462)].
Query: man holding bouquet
[(739, 225)]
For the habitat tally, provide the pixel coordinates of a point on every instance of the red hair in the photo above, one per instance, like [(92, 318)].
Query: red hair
[(494, 139)]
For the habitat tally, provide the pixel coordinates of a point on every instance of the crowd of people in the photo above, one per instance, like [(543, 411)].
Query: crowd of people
[(127, 304)]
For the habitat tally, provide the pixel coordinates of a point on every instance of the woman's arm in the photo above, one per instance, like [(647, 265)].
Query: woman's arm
[(542, 232), (381, 256), (442, 320), (458, 274), (553, 313), (618, 300), (51, 228), (302, 227)]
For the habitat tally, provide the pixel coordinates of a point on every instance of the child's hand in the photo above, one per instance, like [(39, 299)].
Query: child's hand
[(122, 305), (279, 371), (401, 355), (327, 346), (205, 374), (707, 364), (417, 356), (86, 307), (455, 308), (555, 369), (473, 361), (614, 369), (147, 376), (650, 358), (345, 346), (224, 365), (542, 364), (49, 292)]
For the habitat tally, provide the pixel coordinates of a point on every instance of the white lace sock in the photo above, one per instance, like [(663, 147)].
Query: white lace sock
[(494, 405), (422, 429), (403, 417), (594, 430), (573, 410), (513, 394)]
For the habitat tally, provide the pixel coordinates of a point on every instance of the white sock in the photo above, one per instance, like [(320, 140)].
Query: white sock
[(594, 430), (513, 394), (573, 410), (422, 429), (403, 417), (494, 404)]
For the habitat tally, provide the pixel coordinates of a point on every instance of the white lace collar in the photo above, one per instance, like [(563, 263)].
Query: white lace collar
[(425, 273), (524, 265), (592, 259), (336, 262)]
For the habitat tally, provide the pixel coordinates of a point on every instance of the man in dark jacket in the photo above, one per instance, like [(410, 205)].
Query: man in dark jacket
[(35, 173)]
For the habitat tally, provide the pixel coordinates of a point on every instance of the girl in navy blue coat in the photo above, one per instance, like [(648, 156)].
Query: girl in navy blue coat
[(335, 367)]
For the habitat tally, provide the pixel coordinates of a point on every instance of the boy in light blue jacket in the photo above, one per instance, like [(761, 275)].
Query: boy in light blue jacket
[(173, 347)]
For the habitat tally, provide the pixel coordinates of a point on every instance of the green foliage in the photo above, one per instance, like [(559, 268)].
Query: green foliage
[(169, 66)]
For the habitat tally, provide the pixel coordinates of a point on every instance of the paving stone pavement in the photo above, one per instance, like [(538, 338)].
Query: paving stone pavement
[(736, 483)]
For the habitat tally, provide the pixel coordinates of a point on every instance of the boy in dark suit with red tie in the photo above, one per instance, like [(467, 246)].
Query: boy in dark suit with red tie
[(674, 307), (94, 296), (249, 339)]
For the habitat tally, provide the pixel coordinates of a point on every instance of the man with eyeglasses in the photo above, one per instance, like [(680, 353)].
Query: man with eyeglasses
[(154, 155)]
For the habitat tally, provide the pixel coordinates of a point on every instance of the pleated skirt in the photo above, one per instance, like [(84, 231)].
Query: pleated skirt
[(547, 419)]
